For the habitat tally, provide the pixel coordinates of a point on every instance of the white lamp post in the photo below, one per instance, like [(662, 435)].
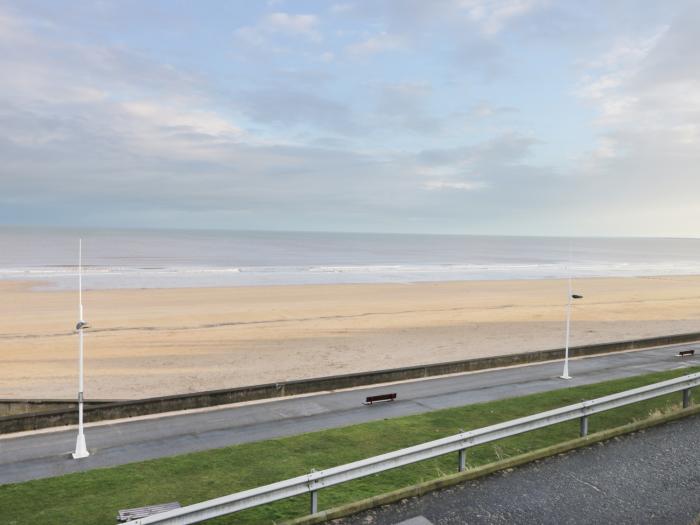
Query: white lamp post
[(572, 296), (81, 450)]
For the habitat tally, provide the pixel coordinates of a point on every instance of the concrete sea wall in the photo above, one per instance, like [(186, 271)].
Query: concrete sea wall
[(100, 410)]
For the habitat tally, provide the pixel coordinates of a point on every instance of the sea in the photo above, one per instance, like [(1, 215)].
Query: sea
[(114, 258)]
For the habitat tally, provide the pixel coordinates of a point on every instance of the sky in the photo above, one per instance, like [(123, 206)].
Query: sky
[(513, 117)]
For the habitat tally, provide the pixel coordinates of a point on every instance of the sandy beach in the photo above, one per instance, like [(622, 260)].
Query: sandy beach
[(163, 341)]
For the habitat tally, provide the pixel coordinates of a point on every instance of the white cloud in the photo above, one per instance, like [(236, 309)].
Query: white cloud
[(55, 92), (493, 16), (633, 89), (448, 185), (341, 8), (379, 43), (251, 36), (646, 93), (176, 117), (305, 26), (293, 142), (405, 106), (486, 110)]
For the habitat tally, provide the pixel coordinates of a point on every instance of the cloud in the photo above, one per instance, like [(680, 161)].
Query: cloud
[(137, 133), (97, 105), (405, 105), (485, 110), (46, 68), (446, 185), (506, 149), (644, 90), (78, 116), (290, 106), (493, 16), (203, 122), (499, 163), (295, 25), (341, 8), (305, 26), (373, 45), (407, 17)]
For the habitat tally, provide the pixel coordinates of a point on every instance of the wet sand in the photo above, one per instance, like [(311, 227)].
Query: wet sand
[(146, 343)]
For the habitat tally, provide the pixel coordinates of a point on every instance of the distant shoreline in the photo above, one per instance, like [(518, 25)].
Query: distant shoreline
[(69, 283)]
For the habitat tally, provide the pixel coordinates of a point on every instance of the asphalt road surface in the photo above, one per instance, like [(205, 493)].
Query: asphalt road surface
[(649, 477), (45, 454)]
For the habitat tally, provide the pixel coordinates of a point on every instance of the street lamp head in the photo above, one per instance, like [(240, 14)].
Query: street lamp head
[(576, 296), (81, 325)]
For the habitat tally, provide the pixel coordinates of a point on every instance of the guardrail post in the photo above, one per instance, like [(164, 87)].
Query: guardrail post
[(463, 460), (314, 501), (686, 398), (583, 427)]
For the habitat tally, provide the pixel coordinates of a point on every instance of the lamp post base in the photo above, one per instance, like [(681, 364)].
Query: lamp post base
[(81, 450), (565, 377)]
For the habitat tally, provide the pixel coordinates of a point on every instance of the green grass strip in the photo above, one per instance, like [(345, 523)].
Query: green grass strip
[(94, 497)]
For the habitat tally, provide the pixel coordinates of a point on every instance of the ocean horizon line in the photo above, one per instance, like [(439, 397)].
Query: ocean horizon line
[(91, 229)]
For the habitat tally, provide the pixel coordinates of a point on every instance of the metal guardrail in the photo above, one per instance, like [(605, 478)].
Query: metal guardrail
[(314, 481)]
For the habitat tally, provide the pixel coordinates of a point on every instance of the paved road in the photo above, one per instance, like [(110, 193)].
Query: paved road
[(647, 477), (46, 454)]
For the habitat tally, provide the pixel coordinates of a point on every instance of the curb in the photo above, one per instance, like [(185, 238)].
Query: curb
[(454, 479)]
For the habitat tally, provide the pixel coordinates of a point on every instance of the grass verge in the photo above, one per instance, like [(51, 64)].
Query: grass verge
[(93, 497)]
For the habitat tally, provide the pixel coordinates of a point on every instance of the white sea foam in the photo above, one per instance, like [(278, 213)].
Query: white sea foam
[(121, 277), (149, 259)]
